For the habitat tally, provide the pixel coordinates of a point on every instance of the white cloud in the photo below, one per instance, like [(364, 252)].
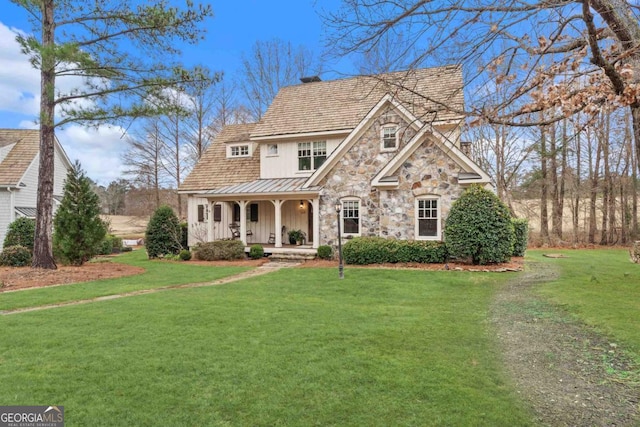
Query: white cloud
[(98, 149)]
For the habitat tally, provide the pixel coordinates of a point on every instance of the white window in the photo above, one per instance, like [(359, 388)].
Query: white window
[(238, 150), (389, 136), (428, 218), (351, 217), (311, 155), (272, 149)]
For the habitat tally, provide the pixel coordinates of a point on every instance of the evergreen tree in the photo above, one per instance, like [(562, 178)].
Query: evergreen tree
[(78, 229), (163, 233)]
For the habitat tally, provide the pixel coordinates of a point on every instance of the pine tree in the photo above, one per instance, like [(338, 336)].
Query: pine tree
[(78, 229)]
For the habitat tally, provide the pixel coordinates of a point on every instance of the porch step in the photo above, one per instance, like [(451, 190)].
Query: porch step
[(291, 257)]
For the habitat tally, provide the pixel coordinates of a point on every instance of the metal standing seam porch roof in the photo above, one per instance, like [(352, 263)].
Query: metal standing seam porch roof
[(264, 187)]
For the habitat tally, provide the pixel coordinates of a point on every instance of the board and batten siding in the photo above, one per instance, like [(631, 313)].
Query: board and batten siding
[(285, 163), (293, 217)]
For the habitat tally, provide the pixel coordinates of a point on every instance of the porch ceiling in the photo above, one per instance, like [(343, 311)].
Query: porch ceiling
[(264, 187)]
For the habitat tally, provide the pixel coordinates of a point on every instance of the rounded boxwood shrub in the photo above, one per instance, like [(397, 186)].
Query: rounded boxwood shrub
[(163, 233), (521, 236), (21, 232), (111, 245), (225, 250), (479, 228), (325, 252), (185, 255), (256, 252), (15, 256)]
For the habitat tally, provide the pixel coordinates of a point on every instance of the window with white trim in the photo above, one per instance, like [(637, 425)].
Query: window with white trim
[(272, 149), (239, 151), (428, 218), (351, 217), (311, 155), (389, 135)]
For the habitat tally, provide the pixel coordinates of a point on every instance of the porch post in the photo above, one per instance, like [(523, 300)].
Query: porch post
[(243, 221), (210, 234), (278, 206), (316, 223)]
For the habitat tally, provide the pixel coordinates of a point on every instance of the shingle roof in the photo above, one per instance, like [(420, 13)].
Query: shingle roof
[(428, 93), (26, 147), (214, 170)]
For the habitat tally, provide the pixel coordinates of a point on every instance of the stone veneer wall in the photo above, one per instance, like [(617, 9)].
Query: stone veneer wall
[(428, 171)]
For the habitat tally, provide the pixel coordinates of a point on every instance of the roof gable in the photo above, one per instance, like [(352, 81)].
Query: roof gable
[(21, 155), (430, 94)]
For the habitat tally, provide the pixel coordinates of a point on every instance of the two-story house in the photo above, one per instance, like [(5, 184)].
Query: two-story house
[(386, 149), (19, 162)]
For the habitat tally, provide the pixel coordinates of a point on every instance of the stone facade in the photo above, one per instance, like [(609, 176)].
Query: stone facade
[(429, 171)]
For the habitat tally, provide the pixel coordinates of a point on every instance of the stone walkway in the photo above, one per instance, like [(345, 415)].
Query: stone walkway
[(259, 271)]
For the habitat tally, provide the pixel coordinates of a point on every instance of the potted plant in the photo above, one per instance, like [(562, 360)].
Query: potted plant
[(296, 237)]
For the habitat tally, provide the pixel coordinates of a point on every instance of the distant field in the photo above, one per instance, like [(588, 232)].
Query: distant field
[(127, 226)]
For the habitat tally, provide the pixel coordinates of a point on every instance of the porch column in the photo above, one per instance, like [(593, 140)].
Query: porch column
[(278, 206), (210, 234), (243, 221), (316, 223)]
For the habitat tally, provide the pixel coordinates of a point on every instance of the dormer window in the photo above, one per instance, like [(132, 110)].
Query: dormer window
[(238, 150), (389, 135)]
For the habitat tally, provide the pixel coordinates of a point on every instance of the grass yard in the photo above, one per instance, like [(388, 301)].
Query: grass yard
[(601, 288), (158, 274), (296, 347)]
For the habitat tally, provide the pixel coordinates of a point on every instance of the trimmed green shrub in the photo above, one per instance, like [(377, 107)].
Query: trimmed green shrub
[(325, 252), (15, 256), (78, 229), (220, 250), (256, 252), (163, 233), (479, 228), (110, 245), (378, 250), (185, 255), (21, 232), (521, 236)]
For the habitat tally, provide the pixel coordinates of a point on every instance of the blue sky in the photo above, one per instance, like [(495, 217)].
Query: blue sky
[(234, 29)]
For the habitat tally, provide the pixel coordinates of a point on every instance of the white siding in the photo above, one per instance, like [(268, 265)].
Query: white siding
[(293, 217), (5, 214), (27, 195), (59, 173), (285, 164)]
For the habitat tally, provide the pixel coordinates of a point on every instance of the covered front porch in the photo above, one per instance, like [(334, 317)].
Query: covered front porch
[(265, 212)]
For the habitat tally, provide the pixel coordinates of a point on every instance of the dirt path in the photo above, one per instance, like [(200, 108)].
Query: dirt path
[(259, 271), (570, 375)]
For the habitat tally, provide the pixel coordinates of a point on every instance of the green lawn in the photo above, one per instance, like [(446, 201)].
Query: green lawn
[(158, 274), (601, 288), (296, 347)]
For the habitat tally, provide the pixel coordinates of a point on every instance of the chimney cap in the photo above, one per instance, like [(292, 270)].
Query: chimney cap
[(310, 79)]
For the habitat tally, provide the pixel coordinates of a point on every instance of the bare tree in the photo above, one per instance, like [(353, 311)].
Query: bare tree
[(144, 158), (271, 65), (562, 56)]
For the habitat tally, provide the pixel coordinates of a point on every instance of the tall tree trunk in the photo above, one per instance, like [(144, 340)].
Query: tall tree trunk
[(43, 246), (593, 175), (576, 200), (544, 197), (603, 144), (556, 214)]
